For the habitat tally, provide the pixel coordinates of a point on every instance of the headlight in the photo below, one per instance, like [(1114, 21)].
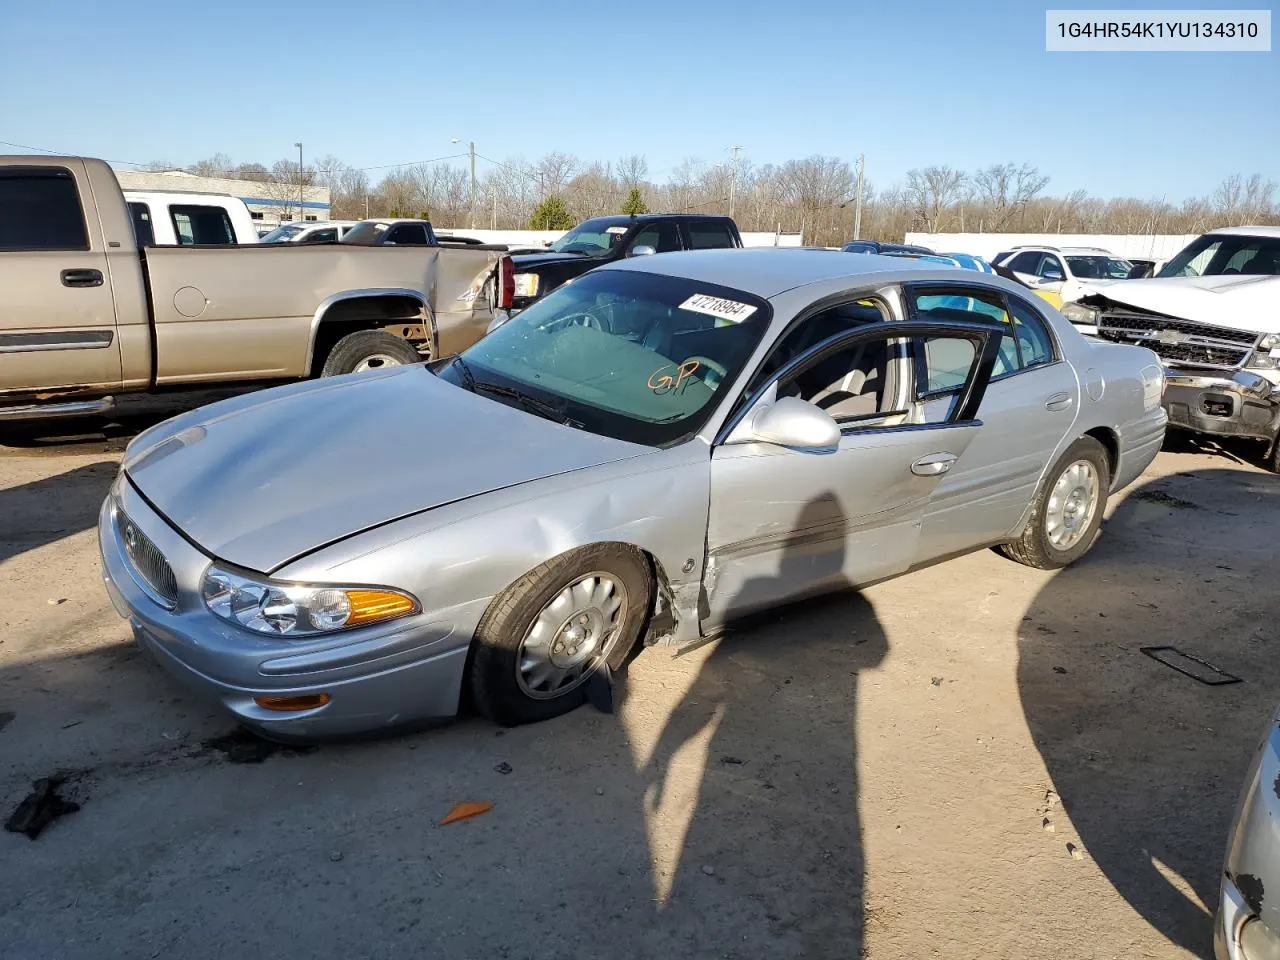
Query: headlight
[(1080, 314), (298, 610), (526, 284), (1269, 342)]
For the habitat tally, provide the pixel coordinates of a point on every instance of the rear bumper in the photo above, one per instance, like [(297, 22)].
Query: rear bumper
[(1237, 405)]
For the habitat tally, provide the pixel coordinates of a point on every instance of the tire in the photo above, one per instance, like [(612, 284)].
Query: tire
[(1035, 547), (1272, 460), (368, 349), (500, 689)]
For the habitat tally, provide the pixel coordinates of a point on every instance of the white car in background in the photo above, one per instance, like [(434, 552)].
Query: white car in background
[(181, 218), (312, 231), (1063, 270)]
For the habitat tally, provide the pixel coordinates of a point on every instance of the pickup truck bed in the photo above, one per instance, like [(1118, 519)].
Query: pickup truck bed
[(87, 313)]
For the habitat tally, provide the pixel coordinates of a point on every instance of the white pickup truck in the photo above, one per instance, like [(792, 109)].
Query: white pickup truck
[(189, 218), (1212, 313), (88, 312)]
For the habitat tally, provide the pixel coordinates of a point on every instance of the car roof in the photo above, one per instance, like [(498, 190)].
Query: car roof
[(1247, 231), (644, 217), (768, 271)]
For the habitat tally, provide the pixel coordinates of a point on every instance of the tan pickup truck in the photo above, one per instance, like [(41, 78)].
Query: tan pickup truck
[(86, 313)]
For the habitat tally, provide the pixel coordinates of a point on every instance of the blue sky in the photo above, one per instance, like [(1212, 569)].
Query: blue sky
[(907, 84)]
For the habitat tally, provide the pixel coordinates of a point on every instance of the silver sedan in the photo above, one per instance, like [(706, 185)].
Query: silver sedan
[(654, 449)]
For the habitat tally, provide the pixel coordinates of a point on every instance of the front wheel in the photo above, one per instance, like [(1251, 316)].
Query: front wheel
[(543, 637), (1068, 509), (368, 350)]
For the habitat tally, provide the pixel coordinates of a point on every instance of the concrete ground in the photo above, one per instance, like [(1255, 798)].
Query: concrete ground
[(872, 775)]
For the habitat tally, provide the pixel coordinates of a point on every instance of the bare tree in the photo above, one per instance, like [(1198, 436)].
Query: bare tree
[(554, 171), (931, 191), (633, 172)]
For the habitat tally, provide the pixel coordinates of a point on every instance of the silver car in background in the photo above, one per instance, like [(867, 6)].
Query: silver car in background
[(1247, 926), (656, 448)]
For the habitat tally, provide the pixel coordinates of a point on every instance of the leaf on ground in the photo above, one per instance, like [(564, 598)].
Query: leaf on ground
[(469, 808)]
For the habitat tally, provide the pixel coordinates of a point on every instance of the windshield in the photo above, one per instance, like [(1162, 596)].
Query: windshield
[(282, 234), (1099, 268), (367, 232), (594, 238), (1217, 255), (631, 355)]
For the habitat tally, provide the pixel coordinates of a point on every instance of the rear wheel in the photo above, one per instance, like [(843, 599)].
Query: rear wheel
[(1067, 512), (368, 350), (543, 637)]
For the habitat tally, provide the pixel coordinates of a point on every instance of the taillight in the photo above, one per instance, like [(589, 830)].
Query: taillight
[(506, 282)]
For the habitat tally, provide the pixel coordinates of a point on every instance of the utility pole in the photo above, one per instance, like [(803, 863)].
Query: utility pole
[(300, 206), (472, 147), (733, 180), (366, 203), (495, 210), (857, 206)]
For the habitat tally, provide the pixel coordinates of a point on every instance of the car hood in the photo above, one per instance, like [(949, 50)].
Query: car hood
[(1236, 302), (258, 481), (523, 261)]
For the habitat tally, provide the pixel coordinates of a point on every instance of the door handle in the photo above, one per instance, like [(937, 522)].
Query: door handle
[(81, 278), (933, 465), (1059, 401)]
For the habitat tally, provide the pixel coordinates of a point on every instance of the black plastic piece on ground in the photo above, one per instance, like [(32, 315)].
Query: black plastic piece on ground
[(39, 808), (1190, 666)]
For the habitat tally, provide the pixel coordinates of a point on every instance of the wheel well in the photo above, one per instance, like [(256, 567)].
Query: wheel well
[(1110, 441), (402, 315)]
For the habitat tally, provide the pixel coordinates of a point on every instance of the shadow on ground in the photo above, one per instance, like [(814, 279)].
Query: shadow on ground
[(47, 510), (1149, 762)]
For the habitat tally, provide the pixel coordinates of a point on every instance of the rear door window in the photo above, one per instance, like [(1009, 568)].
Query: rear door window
[(708, 236), (197, 224), (140, 213), (328, 235), (1026, 262), (40, 210)]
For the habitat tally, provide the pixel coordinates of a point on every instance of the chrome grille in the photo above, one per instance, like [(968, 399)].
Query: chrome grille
[(152, 569), (1179, 342)]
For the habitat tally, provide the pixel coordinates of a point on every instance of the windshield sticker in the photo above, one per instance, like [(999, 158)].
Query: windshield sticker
[(617, 230), (718, 307), (661, 382)]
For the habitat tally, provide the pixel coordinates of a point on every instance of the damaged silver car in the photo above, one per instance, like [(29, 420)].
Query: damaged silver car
[(654, 449), (1247, 926)]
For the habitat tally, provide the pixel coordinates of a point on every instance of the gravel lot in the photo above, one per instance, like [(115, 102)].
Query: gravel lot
[(868, 775)]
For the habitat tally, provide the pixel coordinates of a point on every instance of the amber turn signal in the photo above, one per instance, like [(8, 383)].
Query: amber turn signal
[(368, 606), (307, 701)]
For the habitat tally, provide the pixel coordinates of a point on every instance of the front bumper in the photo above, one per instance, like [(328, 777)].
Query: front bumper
[(1241, 404), (398, 674)]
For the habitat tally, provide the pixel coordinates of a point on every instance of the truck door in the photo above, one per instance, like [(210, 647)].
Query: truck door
[(57, 315)]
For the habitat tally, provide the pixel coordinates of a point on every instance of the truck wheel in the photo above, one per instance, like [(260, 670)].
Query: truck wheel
[(1067, 511), (542, 638), (368, 350)]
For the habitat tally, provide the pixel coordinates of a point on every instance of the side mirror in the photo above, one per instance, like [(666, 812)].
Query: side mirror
[(643, 250), (789, 422)]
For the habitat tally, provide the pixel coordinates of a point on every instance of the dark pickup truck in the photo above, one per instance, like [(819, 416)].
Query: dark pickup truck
[(606, 239)]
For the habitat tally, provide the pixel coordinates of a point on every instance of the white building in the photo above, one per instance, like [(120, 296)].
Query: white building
[(269, 202)]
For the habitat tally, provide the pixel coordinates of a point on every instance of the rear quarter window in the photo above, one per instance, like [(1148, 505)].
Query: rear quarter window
[(709, 236)]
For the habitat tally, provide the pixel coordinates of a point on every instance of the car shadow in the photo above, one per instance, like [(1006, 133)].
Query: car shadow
[(772, 843), (1147, 761), (52, 508)]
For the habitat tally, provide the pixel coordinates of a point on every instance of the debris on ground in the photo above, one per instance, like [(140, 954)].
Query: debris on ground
[(40, 808), (53, 602), (241, 746), (1076, 852), (1051, 798), (936, 681), (336, 856), (1189, 665), (1047, 825), (736, 761), (503, 768), (467, 809), (1164, 499), (1059, 669), (709, 870)]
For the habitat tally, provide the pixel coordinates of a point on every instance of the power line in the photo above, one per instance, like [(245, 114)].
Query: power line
[(63, 153), (415, 163)]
